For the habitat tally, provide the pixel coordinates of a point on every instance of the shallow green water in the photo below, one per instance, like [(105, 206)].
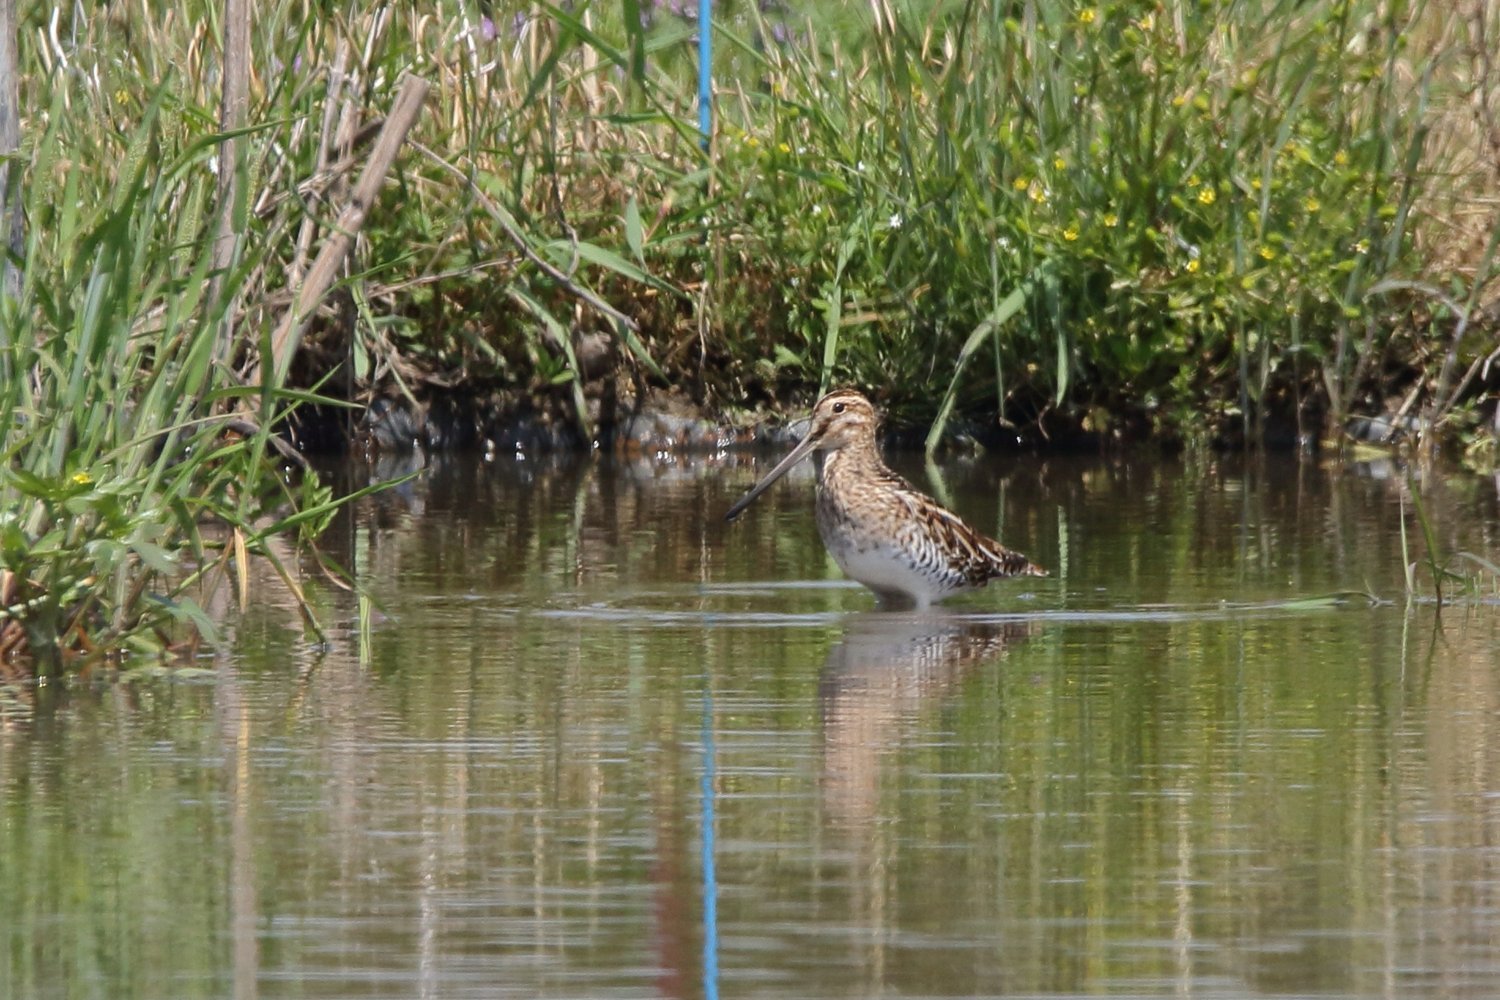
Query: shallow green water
[(605, 746)]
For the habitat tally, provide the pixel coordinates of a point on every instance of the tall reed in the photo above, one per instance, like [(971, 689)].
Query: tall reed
[(120, 451)]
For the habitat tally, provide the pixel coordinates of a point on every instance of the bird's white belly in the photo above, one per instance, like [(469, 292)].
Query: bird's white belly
[(888, 570)]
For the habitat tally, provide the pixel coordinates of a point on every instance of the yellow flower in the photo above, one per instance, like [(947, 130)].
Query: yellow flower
[(1266, 253), (82, 478), (1179, 100), (1059, 163), (784, 147), (1192, 266), (1193, 180), (1207, 196), (751, 141), (1022, 184), (1111, 219), (1070, 234), (1087, 15), (1311, 204), (1146, 23), (1255, 183), (1037, 194), (1341, 158)]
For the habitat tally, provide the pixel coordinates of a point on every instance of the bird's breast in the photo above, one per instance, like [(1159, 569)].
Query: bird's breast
[(872, 536)]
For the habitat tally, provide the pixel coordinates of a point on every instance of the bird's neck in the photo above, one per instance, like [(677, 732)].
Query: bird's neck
[(857, 459)]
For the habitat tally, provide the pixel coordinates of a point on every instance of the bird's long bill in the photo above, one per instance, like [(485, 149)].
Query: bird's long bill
[(796, 455)]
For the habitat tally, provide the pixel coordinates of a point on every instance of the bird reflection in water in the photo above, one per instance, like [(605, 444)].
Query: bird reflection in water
[(886, 669), (878, 677)]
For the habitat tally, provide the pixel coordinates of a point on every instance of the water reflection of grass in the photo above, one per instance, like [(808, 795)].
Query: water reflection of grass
[(1150, 785)]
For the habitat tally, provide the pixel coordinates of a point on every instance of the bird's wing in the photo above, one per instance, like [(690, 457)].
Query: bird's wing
[(976, 555)]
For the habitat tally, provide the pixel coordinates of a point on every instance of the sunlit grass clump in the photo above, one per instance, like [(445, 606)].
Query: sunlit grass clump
[(133, 468), (1186, 209)]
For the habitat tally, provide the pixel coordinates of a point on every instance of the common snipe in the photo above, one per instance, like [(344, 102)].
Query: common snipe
[(880, 530)]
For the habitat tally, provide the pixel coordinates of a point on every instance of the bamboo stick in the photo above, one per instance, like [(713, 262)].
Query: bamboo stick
[(288, 335), (233, 106), (12, 231)]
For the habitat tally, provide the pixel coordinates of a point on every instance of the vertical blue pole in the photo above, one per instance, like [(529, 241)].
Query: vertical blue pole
[(710, 871), (705, 75), (706, 790)]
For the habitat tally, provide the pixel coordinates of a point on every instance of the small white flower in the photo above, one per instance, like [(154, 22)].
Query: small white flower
[(860, 166), (895, 222), (817, 210)]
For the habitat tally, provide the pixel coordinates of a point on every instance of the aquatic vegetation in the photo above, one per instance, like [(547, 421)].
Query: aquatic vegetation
[(1455, 576), (1061, 216)]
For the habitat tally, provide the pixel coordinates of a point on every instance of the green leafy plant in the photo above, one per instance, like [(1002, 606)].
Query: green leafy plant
[(126, 478)]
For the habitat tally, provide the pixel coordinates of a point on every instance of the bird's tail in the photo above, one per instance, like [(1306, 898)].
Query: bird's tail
[(1008, 562)]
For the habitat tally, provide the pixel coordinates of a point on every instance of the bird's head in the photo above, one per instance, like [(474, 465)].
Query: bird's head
[(839, 419)]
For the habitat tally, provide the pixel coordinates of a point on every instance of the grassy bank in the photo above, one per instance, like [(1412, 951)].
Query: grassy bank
[(1188, 219), (135, 474), (1195, 215), (1069, 214), (1202, 213), (137, 469)]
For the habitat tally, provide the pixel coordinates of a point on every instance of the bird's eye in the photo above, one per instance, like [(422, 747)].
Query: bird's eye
[(838, 407)]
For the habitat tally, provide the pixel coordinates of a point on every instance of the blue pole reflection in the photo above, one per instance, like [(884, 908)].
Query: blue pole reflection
[(710, 875)]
